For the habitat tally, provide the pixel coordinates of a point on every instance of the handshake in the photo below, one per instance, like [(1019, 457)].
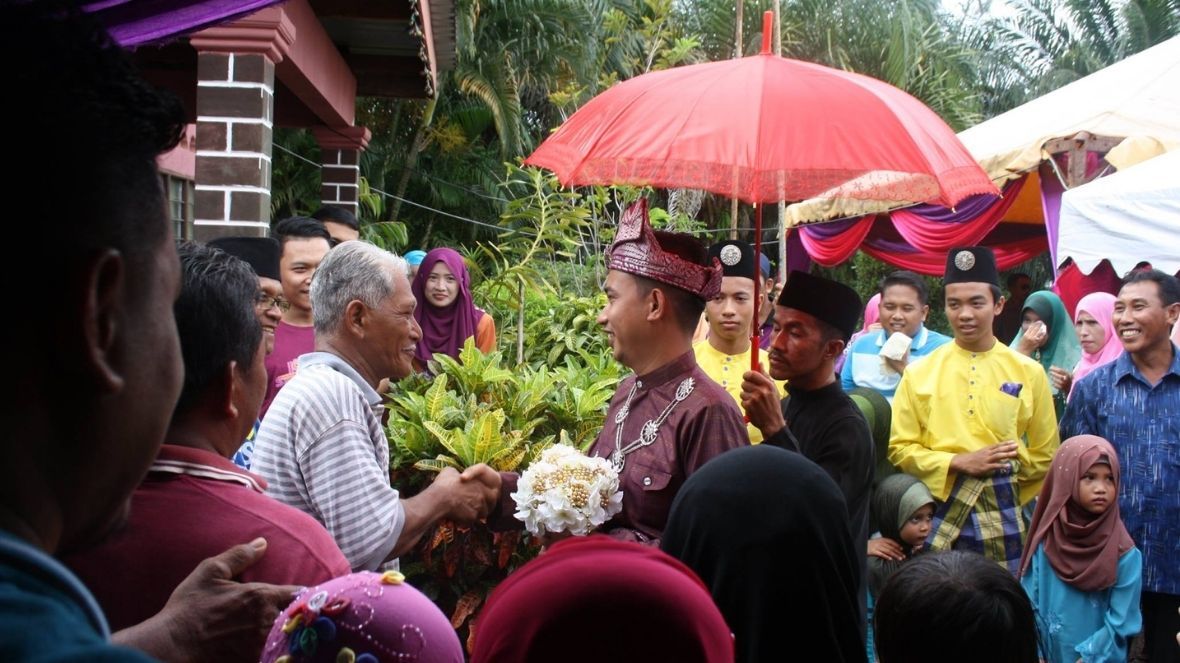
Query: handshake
[(468, 496)]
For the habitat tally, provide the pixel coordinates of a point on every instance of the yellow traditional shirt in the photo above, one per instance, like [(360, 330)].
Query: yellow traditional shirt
[(951, 403), (726, 370)]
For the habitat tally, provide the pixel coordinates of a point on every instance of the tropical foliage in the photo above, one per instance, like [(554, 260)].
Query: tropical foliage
[(966, 59), (474, 410), (1041, 45), (446, 171)]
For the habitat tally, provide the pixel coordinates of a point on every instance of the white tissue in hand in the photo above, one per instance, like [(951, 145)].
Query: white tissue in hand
[(896, 347)]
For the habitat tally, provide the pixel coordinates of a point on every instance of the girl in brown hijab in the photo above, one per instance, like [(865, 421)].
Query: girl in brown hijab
[(1080, 567)]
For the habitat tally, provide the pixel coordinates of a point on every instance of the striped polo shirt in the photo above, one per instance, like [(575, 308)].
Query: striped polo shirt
[(322, 449)]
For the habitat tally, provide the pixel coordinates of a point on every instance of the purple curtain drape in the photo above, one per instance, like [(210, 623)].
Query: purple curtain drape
[(1051, 191), (915, 234), (939, 229), (138, 22)]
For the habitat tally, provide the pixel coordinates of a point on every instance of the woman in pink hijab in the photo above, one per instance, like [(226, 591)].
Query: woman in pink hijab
[(445, 311), (1095, 326)]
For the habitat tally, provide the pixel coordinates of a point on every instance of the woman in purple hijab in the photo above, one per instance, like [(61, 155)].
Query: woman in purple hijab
[(445, 311)]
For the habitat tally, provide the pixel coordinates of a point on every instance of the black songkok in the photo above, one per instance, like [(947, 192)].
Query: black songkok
[(736, 257), (262, 253), (829, 301), (971, 264)]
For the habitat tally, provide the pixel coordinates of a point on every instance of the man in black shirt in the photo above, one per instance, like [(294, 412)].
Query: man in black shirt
[(812, 323)]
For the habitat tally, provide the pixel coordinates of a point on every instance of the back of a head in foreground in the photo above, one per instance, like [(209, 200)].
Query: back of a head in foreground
[(215, 318), (79, 103), (954, 606), (767, 531), (95, 328), (593, 599)]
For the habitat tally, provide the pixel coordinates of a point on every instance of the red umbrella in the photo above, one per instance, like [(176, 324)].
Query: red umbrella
[(765, 129)]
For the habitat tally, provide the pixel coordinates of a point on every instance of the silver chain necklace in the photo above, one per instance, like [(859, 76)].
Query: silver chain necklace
[(650, 429)]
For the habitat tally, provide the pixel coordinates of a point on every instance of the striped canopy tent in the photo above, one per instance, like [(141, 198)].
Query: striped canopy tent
[(1111, 119)]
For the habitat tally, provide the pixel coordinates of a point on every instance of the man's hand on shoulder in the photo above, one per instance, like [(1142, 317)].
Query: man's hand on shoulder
[(212, 617), (886, 549)]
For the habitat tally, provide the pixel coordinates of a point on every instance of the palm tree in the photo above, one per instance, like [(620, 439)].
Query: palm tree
[(513, 53), (1049, 43)]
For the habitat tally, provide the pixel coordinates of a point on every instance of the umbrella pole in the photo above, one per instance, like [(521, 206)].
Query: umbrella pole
[(754, 327), (737, 53)]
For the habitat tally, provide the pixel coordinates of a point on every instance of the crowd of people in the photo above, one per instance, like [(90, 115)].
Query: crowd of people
[(196, 458)]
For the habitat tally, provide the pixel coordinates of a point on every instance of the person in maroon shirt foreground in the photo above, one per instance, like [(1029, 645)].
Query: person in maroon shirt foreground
[(194, 501), (668, 419)]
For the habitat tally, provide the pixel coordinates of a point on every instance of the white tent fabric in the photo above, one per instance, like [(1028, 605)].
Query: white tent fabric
[(1137, 96), (1127, 217)]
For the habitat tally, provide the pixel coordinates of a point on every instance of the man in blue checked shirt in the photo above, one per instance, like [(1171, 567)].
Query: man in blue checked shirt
[(1134, 402)]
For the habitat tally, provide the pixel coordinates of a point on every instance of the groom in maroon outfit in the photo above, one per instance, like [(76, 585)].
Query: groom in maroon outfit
[(668, 419)]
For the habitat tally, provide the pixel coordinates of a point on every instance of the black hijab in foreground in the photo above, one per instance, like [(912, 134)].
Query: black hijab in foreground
[(766, 529)]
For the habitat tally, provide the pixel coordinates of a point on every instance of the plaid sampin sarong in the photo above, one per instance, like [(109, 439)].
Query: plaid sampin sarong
[(983, 516)]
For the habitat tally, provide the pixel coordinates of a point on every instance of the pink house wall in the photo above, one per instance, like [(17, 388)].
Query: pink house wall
[(181, 161)]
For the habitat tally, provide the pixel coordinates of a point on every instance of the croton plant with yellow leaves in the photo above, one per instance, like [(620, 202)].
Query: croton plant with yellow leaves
[(474, 410)]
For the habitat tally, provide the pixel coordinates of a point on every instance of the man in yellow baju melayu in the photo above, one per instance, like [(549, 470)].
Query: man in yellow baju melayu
[(975, 421), (724, 355)]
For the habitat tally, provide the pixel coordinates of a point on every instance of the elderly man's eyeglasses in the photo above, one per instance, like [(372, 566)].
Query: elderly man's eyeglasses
[(264, 301)]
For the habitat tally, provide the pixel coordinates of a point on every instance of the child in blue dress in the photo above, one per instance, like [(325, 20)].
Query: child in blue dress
[(1080, 568)]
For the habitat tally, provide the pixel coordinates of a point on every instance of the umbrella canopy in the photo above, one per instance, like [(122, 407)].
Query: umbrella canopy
[(1127, 217), (765, 129)]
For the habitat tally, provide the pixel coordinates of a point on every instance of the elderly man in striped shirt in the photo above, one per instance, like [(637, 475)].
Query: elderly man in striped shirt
[(322, 446)]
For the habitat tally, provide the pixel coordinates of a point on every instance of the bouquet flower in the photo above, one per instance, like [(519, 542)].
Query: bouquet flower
[(567, 491)]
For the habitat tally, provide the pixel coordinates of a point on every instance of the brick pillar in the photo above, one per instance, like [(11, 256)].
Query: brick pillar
[(235, 122), (340, 158)]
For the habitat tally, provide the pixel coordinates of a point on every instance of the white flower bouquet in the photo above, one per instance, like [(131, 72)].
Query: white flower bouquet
[(566, 491)]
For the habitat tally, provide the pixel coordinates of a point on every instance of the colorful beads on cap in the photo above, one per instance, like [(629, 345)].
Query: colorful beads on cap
[(292, 623), (304, 641), (317, 601), (328, 625), (336, 606)]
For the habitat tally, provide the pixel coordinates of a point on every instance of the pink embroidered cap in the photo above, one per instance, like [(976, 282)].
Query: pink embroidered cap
[(637, 251), (363, 617)]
